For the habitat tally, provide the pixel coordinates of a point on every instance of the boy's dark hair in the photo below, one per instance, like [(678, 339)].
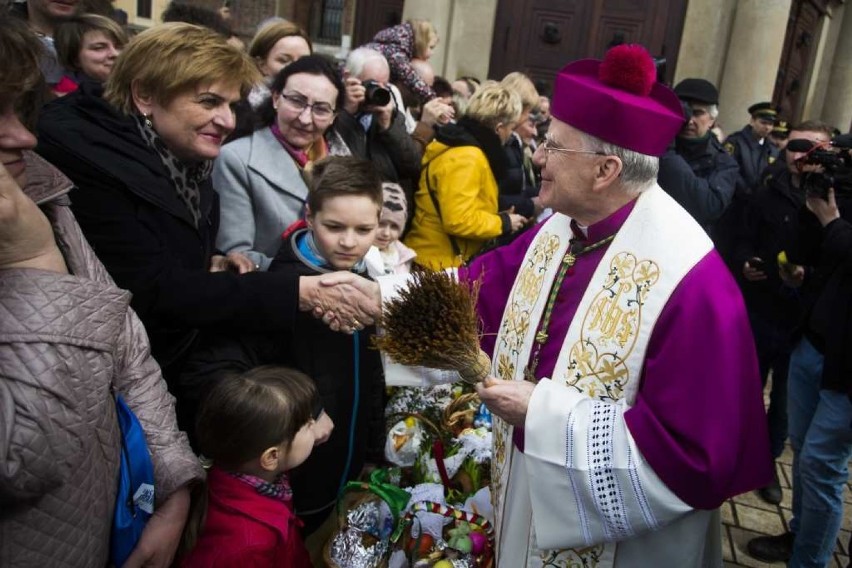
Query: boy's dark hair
[(343, 175), (243, 415)]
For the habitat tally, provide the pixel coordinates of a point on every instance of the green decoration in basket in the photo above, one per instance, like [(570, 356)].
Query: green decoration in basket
[(381, 486)]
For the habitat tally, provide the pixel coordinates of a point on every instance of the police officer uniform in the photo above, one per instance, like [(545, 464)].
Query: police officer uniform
[(753, 155)]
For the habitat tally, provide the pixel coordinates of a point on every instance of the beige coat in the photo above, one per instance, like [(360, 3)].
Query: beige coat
[(67, 341)]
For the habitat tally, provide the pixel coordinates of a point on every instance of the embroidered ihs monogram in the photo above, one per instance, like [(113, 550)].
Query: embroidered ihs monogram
[(597, 365)]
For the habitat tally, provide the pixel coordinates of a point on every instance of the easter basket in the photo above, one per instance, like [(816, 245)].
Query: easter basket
[(435, 520), (370, 518), (466, 539)]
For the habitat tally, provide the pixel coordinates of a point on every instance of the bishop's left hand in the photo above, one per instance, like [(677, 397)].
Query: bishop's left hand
[(507, 399)]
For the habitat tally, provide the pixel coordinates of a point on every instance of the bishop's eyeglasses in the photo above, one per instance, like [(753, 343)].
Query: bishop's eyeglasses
[(550, 146)]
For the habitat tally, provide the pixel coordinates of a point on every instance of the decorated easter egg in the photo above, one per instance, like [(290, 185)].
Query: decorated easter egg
[(478, 542)]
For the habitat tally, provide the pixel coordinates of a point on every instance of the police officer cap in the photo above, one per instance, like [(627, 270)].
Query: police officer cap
[(781, 129), (697, 90), (763, 110)]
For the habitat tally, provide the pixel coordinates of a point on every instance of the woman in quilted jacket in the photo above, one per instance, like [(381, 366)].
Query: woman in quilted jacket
[(68, 341)]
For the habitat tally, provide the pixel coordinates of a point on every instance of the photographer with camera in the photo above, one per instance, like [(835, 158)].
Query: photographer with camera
[(370, 124), (695, 170), (771, 287), (820, 371)]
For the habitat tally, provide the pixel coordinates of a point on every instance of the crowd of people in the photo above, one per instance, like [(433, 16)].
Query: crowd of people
[(205, 233)]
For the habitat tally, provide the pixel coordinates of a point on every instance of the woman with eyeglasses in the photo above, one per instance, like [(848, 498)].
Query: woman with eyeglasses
[(260, 177), (277, 44)]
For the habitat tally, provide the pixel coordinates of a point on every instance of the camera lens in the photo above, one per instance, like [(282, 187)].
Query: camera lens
[(376, 95)]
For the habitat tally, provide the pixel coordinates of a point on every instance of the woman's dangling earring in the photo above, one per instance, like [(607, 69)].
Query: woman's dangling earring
[(148, 122)]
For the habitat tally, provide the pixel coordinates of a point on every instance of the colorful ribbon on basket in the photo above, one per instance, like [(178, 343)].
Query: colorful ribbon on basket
[(453, 513)]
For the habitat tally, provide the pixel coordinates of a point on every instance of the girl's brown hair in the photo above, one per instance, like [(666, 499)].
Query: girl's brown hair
[(244, 415), (240, 418), (343, 175), (270, 34)]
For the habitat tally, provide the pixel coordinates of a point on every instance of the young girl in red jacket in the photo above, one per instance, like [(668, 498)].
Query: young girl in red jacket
[(254, 427)]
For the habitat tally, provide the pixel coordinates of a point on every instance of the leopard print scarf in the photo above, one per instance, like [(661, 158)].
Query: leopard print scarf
[(187, 178)]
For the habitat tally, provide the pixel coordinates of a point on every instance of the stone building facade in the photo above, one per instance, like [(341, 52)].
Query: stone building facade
[(796, 53)]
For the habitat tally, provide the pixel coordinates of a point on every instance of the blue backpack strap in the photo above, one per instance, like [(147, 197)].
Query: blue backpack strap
[(134, 502)]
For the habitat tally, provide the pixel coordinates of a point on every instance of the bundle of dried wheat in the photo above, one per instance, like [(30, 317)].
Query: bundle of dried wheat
[(433, 323)]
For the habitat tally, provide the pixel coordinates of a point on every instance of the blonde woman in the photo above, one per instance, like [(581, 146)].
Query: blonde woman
[(518, 188), (456, 209)]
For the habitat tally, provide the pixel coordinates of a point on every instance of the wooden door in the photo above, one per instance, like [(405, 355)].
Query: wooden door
[(797, 57), (372, 16), (539, 37)]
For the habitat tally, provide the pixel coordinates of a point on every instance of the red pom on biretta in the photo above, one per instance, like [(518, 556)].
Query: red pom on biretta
[(629, 67)]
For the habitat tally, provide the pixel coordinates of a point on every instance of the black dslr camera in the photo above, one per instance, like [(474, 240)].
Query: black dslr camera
[(376, 95), (837, 166)]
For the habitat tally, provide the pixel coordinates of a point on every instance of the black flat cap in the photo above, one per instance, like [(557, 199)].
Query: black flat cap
[(697, 90)]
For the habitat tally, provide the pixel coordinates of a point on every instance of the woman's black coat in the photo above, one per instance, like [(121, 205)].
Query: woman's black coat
[(129, 210)]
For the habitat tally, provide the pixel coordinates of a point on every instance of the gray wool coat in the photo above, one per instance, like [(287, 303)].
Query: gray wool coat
[(261, 193)]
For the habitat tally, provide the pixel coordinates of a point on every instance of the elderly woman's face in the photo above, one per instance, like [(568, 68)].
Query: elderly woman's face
[(285, 51), (14, 139), (194, 124), (98, 53), (305, 108)]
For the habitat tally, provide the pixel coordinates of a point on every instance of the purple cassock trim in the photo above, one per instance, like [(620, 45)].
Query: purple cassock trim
[(698, 417)]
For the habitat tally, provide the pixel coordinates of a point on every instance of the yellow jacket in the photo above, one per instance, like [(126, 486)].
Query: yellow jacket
[(466, 191)]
